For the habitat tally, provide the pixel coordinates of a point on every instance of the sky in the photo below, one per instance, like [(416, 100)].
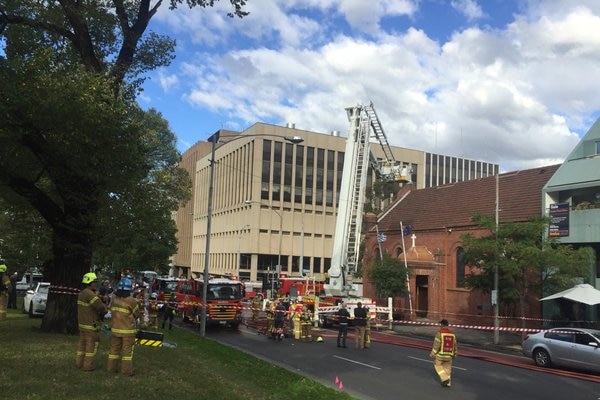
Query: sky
[(510, 82)]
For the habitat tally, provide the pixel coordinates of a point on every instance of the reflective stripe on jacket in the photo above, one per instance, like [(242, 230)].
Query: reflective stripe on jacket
[(90, 310), (124, 311)]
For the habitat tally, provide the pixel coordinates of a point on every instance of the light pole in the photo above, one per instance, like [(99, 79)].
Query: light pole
[(278, 268), (214, 139), (239, 257)]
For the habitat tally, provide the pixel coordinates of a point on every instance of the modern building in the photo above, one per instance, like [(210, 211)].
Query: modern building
[(275, 202), (572, 199)]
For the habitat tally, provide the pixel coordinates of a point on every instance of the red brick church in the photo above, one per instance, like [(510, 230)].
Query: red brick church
[(434, 219)]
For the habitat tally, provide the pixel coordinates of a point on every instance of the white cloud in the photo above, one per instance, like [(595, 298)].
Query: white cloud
[(167, 81), (507, 95), (469, 8)]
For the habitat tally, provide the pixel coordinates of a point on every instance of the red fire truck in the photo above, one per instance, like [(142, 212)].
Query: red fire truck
[(224, 299)]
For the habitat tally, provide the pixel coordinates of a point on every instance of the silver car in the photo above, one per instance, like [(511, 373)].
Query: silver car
[(34, 302), (565, 347)]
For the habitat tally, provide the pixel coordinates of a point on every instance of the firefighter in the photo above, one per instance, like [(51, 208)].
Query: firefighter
[(153, 311), (306, 324), (256, 306), (297, 323), (443, 352), (5, 290), (125, 311), (90, 310), (279, 320)]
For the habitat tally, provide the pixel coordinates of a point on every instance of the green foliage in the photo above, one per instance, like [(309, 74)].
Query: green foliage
[(389, 277), (528, 263)]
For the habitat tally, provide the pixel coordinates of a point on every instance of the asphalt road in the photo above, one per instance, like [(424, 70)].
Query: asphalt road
[(397, 370)]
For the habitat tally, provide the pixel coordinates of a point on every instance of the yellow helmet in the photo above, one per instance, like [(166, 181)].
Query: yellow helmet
[(2, 267), (89, 278)]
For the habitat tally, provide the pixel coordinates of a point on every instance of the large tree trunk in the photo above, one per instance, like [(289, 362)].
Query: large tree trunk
[(72, 248)]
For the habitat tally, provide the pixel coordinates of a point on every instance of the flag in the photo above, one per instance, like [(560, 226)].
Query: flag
[(381, 237)]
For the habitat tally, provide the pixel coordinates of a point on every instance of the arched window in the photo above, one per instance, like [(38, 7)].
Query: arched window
[(460, 268), (399, 251)]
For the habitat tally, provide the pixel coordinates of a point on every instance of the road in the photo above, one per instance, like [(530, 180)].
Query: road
[(400, 368)]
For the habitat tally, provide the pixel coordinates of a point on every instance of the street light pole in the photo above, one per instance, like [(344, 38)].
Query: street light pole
[(214, 139), (239, 260)]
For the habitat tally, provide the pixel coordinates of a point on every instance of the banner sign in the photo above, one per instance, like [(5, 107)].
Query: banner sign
[(559, 224)]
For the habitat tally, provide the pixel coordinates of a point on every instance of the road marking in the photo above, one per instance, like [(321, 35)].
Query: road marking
[(357, 362), (429, 361)]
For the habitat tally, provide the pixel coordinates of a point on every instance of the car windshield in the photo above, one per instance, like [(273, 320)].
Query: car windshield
[(43, 289), (223, 292)]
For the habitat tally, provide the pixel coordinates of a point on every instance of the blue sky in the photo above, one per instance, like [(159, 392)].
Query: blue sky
[(511, 82)]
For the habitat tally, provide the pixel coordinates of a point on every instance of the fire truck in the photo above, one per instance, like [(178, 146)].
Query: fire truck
[(224, 299), (365, 128)]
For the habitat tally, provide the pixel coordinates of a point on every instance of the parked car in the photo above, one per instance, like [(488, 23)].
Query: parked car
[(27, 281), (577, 348), (34, 302)]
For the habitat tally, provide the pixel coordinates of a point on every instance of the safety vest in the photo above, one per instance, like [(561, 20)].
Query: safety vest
[(447, 345)]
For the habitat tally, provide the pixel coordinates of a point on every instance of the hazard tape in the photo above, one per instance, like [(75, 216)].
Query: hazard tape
[(63, 290)]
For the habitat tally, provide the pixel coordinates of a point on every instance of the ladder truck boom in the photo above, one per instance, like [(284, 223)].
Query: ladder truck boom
[(364, 127)]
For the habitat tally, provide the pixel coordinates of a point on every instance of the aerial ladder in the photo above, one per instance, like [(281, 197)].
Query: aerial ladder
[(365, 128)]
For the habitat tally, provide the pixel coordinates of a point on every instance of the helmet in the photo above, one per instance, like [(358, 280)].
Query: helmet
[(320, 339), (2, 267), (125, 284), (154, 296), (89, 278)]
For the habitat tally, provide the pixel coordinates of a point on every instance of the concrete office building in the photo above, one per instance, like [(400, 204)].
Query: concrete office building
[(277, 201)]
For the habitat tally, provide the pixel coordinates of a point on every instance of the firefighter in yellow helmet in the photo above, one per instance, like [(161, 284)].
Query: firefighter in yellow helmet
[(90, 310), (125, 311), (5, 289), (443, 352)]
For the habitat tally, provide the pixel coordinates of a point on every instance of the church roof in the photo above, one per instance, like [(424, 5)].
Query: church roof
[(453, 205)]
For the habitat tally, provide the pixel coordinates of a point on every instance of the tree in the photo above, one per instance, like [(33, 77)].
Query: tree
[(72, 140), (389, 277), (527, 261), (25, 242)]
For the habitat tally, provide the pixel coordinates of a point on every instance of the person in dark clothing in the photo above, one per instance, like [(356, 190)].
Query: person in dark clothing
[(12, 296), (279, 320), (360, 324), (170, 311), (343, 316)]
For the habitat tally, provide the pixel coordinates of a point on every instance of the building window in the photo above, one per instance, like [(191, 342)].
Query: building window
[(277, 171), (266, 170), (399, 251), (310, 168), (598, 147), (320, 176), (460, 268), (299, 174), (287, 172), (330, 172), (340, 171)]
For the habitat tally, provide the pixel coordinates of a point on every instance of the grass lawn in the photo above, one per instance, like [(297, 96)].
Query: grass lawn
[(36, 365)]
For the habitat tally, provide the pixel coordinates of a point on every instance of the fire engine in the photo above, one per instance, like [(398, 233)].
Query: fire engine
[(365, 127), (224, 299)]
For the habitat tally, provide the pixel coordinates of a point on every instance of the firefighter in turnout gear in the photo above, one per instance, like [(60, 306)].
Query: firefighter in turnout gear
[(443, 352), (90, 310), (125, 311), (306, 324), (5, 289)]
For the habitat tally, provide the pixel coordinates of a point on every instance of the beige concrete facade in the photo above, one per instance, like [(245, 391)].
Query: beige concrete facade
[(292, 189)]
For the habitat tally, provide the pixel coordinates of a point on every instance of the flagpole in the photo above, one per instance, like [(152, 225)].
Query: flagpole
[(379, 242), (410, 307)]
